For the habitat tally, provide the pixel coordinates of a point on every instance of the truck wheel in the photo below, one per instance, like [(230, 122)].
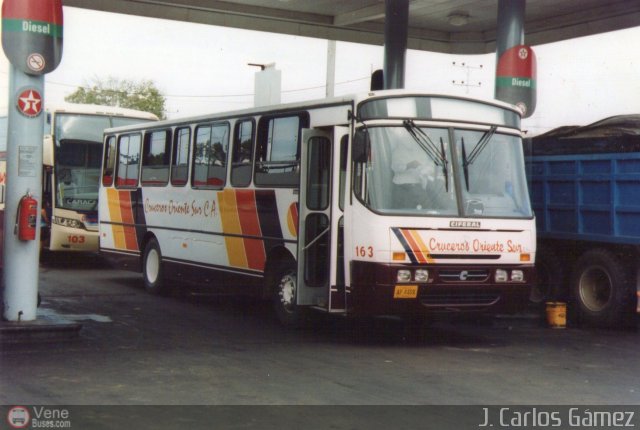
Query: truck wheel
[(550, 277), (601, 289), (152, 269), (284, 298)]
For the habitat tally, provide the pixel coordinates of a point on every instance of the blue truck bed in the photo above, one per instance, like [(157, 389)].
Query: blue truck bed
[(585, 190), (585, 181), (593, 197)]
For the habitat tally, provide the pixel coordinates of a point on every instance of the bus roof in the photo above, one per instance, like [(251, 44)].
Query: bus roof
[(346, 99), (100, 110)]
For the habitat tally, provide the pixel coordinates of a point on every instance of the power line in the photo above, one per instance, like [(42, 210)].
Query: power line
[(204, 96)]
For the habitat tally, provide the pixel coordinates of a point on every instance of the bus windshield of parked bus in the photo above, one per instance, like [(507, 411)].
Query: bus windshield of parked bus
[(411, 169), (470, 171), (78, 153)]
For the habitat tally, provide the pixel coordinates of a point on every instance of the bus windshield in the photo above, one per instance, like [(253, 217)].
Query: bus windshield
[(443, 171), (78, 153)]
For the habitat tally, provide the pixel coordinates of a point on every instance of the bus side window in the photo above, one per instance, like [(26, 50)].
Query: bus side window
[(180, 158), (344, 145), (242, 154), (128, 160), (210, 156), (155, 158), (109, 161), (278, 150)]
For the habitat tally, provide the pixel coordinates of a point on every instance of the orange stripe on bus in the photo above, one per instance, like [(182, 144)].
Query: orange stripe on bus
[(113, 201), (414, 246), (231, 225), (250, 224), (126, 209), (292, 219), (422, 248)]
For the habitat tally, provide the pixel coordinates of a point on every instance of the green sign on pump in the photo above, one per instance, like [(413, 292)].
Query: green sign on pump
[(32, 34)]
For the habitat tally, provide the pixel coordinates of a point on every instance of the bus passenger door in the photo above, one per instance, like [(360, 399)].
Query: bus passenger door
[(315, 218)]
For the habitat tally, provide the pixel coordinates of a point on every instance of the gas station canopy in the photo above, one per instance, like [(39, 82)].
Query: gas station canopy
[(447, 26)]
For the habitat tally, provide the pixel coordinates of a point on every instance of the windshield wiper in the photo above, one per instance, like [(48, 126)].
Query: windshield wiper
[(443, 156), (482, 143), (438, 156), (465, 165)]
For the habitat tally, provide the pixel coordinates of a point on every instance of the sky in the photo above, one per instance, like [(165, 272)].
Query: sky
[(204, 69)]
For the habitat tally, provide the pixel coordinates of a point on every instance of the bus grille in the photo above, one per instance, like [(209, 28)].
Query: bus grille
[(458, 275), (460, 298)]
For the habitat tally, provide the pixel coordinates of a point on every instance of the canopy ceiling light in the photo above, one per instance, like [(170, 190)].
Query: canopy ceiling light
[(458, 19)]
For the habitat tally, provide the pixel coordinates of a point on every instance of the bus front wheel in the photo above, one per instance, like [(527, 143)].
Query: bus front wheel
[(285, 296), (152, 269)]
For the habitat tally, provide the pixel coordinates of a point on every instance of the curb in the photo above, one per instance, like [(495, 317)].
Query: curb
[(48, 327)]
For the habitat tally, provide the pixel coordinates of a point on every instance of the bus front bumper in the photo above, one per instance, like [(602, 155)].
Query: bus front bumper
[(449, 289), (70, 239)]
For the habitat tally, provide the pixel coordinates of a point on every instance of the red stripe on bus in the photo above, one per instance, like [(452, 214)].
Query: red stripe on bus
[(414, 246), (126, 209), (236, 253), (250, 224)]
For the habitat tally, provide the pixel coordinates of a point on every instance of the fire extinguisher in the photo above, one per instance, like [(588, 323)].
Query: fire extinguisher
[(26, 218)]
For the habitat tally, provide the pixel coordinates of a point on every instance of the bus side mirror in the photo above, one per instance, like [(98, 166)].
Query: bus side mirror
[(360, 146)]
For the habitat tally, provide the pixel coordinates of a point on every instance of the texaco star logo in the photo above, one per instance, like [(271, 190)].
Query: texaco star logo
[(30, 103), (523, 53)]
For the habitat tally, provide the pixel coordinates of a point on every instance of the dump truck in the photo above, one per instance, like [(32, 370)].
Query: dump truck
[(584, 183)]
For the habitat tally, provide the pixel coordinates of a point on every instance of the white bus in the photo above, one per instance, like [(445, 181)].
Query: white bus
[(390, 203), (72, 153)]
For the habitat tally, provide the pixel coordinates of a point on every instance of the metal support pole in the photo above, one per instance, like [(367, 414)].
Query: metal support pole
[(24, 174), (510, 31), (396, 31), (331, 68)]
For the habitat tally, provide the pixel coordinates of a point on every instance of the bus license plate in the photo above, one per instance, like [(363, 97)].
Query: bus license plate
[(405, 292)]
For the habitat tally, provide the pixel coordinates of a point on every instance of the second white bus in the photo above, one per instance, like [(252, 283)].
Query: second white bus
[(72, 153), (307, 204)]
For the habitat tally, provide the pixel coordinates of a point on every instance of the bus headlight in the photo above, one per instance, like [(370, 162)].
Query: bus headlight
[(517, 276), (501, 275), (421, 275), (403, 275), (67, 222)]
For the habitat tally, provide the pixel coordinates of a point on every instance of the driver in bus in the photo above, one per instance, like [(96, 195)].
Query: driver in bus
[(410, 177)]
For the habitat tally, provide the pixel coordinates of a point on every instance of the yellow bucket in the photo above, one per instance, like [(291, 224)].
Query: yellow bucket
[(557, 314)]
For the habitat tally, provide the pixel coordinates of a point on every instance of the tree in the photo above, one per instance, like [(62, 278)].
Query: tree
[(141, 95)]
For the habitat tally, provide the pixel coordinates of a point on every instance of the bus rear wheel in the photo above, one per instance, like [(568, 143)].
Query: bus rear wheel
[(154, 281)]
